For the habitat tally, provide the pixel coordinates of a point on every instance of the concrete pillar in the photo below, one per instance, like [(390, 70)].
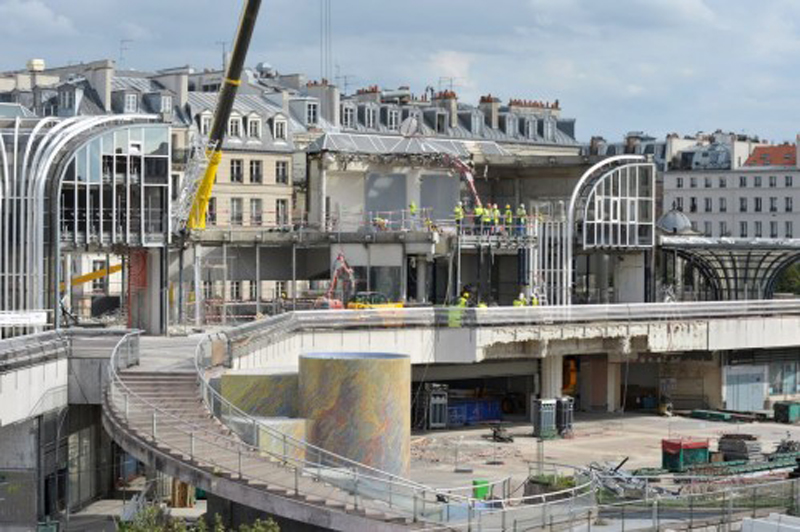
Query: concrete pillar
[(629, 278), (422, 279), (552, 376), (614, 386), (602, 278), (155, 308)]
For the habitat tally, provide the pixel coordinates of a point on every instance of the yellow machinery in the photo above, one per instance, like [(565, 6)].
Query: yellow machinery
[(227, 96), (91, 276)]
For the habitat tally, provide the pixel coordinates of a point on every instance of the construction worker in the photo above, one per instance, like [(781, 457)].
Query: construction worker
[(496, 217), (477, 215), (520, 301), (522, 218), (412, 209), (463, 301), (458, 214), (486, 219), (482, 305), (509, 218), (534, 300)]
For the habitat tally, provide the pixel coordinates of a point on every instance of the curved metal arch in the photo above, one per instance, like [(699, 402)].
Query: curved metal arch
[(706, 270), (769, 288), (570, 229)]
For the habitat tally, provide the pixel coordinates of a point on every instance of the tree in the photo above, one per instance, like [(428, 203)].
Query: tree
[(789, 280), (154, 519)]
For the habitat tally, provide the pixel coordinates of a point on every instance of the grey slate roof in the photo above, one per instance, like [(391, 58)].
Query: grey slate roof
[(244, 105), (14, 110), (396, 145)]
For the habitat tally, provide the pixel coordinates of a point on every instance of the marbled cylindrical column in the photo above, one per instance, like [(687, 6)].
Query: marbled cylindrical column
[(360, 404)]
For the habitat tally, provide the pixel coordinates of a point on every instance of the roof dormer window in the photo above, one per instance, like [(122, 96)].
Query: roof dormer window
[(530, 128), (279, 129), (205, 124), (131, 103), (235, 126), (312, 113), (393, 119), (254, 127), (369, 117), (66, 99), (166, 104), (348, 116), (475, 126)]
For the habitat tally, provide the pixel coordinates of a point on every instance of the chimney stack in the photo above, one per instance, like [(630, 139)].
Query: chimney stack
[(491, 109), (448, 100)]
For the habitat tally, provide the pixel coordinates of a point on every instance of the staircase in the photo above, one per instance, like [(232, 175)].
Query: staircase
[(165, 413)]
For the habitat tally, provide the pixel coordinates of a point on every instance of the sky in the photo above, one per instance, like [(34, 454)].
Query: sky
[(658, 66)]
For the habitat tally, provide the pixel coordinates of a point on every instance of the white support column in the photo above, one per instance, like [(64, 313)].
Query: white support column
[(198, 287), (422, 279), (614, 384), (552, 377)]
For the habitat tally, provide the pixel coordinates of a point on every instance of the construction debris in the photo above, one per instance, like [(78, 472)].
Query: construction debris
[(740, 447)]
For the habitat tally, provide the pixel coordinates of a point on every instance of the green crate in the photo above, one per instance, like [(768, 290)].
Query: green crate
[(480, 489), (787, 412)]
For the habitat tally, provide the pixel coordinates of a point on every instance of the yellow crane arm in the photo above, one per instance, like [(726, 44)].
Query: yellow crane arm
[(91, 276)]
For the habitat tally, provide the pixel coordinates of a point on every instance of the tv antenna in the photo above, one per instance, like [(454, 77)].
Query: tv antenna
[(224, 45), (123, 47)]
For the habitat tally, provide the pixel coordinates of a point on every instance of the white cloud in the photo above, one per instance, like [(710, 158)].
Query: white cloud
[(33, 17), (134, 31), (452, 64)]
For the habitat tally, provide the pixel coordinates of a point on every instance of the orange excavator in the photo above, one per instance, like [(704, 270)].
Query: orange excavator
[(340, 270)]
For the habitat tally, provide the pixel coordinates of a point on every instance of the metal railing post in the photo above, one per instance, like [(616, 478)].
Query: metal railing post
[(191, 445), (127, 398), (415, 505), (255, 433), (355, 488), (296, 481), (240, 461), (284, 450), (390, 493), (154, 424)]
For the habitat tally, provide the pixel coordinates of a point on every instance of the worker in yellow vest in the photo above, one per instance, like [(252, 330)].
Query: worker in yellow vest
[(458, 215), (520, 301), (509, 218), (486, 219), (496, 217), (522, 218)]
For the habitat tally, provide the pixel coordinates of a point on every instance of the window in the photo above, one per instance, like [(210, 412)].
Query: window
[(279, 129), (166, 104), (237, 173), (348, 115), (678, 182), (236, 290), (693, 182), (707, 182), (773, 205), (773, 181), (66, 99), (131, 103), (782, 377), (788, 181), (256, 175), (236, 211), (692, 204), (254, 127), (723, 182), (369, 117), (707, 228), (743, 229), (394, 119), (758, 232), (742, 181), (208, 290), (789, 229), (708, 203), (679, 203), (235, 127), (723, 205), (723, 229), (758, 181), (211, 212), (281, 212), (773, 229), (758, 202), (742, 204), (205, 125), (99, 284), (253, 291), (281, 172), (312, 113), (788, 204), (694, 226), (256, 211)]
